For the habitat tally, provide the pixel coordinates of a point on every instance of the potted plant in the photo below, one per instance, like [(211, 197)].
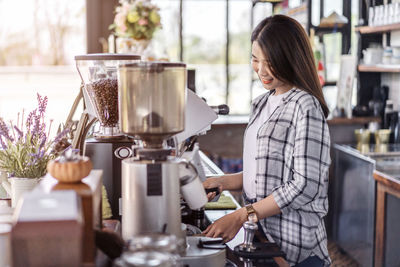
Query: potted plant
[(134, 24), (25, 149)]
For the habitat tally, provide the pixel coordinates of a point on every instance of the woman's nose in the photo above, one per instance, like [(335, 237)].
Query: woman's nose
[(262, 70)]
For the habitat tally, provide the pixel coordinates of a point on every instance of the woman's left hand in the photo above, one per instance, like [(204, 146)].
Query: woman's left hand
[(227, 226)]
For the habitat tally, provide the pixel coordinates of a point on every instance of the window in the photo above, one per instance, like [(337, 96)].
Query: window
[(37, 47), (204, 45)]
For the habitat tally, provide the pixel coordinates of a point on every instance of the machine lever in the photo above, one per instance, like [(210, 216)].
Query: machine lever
[(221, 109)]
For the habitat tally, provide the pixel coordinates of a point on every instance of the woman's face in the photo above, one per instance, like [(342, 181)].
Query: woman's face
[(261, 67)]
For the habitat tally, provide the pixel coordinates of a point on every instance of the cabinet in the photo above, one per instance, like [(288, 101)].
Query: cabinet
[(387, 217), (353, 207)]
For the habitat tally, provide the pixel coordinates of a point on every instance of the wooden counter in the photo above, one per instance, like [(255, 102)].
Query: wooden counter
[(89, 191), (386, 186)]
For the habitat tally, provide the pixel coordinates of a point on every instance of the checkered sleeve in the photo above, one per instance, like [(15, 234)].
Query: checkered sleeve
[(311, 161)]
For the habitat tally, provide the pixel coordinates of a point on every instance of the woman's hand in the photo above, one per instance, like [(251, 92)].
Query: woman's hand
[(211, 183), (228, 226)]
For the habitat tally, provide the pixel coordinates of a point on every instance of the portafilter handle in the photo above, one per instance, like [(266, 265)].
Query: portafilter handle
[(221, 109), (249, 230)]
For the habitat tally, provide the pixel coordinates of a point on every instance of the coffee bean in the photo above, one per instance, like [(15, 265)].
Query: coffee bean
[(105, 95)]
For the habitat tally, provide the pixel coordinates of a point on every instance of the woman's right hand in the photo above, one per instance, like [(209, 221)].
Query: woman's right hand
[(211, 183)]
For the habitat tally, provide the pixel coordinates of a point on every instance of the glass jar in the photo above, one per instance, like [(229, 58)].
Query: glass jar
[(152, 249), (99, 76), (145, 259)]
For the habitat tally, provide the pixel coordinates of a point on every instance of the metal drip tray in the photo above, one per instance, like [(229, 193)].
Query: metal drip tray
[(198, 257)]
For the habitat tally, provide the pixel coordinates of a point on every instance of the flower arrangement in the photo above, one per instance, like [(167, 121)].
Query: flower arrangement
[(25, 152), (137, 19)]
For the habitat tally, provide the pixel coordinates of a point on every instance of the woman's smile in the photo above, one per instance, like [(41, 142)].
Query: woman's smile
[(266, 81)]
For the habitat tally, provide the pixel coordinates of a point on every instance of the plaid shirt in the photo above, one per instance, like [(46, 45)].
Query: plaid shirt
[(292, 164)]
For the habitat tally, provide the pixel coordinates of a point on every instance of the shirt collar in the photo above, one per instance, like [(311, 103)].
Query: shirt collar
[(258, 105)]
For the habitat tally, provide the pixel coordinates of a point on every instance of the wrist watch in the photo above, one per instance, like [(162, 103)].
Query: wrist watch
[(251, 213)]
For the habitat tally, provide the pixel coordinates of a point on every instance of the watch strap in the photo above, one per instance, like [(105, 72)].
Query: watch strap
[(251, 213)]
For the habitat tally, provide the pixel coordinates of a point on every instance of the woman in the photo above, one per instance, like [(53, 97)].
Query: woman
[(286, 148)]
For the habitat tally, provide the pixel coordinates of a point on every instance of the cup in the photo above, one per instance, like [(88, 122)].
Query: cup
[(362, 138), (382, 136), (5, 245)]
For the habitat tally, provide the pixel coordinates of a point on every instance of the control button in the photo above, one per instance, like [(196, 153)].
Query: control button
[(123, 152)]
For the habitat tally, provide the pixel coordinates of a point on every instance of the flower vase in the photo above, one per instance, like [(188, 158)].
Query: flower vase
[(16, 187), (131, 45)]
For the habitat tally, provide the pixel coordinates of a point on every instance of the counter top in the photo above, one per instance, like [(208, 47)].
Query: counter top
[(244, 119), (372, 151), (386, 159), (387, 179)]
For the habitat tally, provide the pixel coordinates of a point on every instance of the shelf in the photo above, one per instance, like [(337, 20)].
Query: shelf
[(378, 29), (379, 68), (327, 30)]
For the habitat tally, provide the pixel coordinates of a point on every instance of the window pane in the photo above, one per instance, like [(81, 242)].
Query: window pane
[(330, 6), (45, 33), (315, 20), (261, 11), (166, 41), (354, 22), (204, 40), (333, 44), (239, 57)]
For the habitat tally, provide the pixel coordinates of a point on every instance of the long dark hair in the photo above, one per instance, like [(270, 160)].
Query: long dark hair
[(285, 44)]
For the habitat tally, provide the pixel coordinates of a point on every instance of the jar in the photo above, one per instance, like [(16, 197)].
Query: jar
[(145, 259), (387, 55), (98, 73), (151, 250)]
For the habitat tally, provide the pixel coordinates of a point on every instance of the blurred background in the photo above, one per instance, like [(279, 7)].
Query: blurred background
[(39, 39)]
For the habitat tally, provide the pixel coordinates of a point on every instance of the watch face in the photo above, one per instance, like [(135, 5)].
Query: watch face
[(252, 217)]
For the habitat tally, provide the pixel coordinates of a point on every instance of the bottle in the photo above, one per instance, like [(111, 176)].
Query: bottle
[(390, 120)]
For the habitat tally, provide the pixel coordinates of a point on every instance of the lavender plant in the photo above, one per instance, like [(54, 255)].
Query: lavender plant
[(25, 148)]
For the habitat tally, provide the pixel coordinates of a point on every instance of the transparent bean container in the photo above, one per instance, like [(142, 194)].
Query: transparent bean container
[(152, 100), (152, 249), (146, 259), (99, 77)]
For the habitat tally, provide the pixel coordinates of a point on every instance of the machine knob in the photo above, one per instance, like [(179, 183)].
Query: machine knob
[(221, 109), (249, 230), (123, 152)]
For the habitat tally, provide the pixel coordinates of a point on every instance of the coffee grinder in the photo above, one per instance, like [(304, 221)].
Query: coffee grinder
[(151, 101), (108, 145)]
